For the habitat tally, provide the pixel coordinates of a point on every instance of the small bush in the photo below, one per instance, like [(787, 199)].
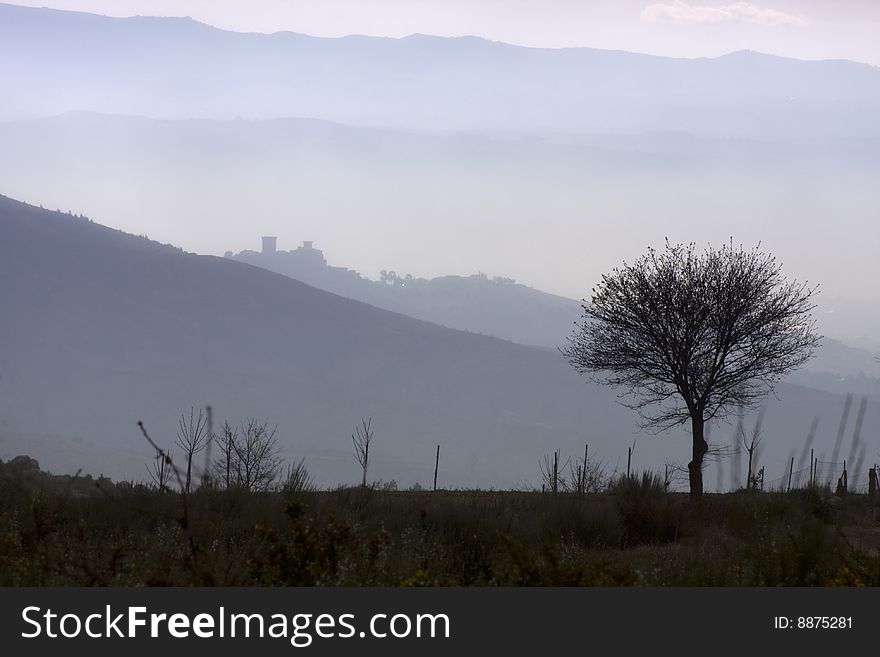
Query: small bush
[(298, 479), (646, 509)]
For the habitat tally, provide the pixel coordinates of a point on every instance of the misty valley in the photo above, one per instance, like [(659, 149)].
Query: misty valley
[(288, 310)]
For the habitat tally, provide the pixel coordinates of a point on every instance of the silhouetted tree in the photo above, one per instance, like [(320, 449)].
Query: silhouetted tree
[(361, 439), (160, 470), (694, 336), (752, 447), (192, 438), (223, 464), (248, 456), (258, 465), (586, 475), (550, 469)]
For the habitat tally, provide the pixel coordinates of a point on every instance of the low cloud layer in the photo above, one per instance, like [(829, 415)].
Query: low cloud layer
[(738, 12)]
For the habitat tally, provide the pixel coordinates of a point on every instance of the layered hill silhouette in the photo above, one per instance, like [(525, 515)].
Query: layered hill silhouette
[(503, 308), (495, 306), (551, 212), (100, 329), (177, 68)]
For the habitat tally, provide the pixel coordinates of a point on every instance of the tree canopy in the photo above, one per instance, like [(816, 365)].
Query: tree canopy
[(694, 335)]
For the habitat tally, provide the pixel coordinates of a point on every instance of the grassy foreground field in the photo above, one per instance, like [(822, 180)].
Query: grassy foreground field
[(81, 531)]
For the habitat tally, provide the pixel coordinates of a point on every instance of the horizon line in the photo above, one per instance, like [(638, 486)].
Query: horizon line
[(427, 35)]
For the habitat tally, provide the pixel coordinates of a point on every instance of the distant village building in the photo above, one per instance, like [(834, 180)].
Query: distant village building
[(269, 245), (308, 265), (302, 257), (308, 253)]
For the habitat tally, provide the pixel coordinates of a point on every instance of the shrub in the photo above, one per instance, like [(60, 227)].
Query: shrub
[(646, 510), (298, 479)]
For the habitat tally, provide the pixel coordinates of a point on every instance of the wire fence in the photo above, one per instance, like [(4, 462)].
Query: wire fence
[(823, 474)]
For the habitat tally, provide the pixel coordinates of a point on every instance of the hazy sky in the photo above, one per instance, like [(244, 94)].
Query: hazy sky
[(807, 29), (821, 222)]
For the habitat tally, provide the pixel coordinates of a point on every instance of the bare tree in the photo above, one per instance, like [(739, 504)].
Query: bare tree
[(160, 470), (361, 439), (752, 447), (192, 438), (586, 475), (694, 336), (550, 469), (258, 465), (248, 456), (224, 463)]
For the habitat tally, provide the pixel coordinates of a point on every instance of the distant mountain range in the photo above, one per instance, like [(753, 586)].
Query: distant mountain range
[(57, 61), (551, 212), (100, 329), (198, 171)]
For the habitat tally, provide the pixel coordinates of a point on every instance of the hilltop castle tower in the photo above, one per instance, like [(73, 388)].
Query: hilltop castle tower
[(269, 245)]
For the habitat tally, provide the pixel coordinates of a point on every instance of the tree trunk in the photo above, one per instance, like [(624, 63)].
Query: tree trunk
[(751, 451), (695, 467), (189, 464), (228, 458), (365, 464)]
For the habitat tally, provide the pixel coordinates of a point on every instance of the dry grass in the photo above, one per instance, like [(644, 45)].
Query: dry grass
[(79, 531)]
